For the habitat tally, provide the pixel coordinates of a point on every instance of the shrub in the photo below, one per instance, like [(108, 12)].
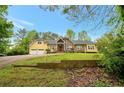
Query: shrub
[(48, 50), (17, 51), (113, 54)]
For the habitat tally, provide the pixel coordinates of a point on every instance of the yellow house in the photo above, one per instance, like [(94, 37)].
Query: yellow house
[(61, 45), (38, 47)]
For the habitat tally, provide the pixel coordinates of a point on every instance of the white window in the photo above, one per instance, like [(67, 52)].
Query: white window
[(69, 46), (91, 47), (78, 47)]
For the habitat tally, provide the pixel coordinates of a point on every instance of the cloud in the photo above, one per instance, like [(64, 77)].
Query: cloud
[(19, 23)]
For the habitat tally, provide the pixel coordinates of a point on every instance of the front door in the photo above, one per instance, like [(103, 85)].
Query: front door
[(60, 47)]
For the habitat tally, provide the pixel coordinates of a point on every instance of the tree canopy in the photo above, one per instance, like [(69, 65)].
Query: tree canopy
[(70, 34), (101, 14), (83, 36), (6, 29), (48, 35)]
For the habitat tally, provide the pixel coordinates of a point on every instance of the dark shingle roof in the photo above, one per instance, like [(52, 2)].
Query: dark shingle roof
[(82, 42), (52, 42)]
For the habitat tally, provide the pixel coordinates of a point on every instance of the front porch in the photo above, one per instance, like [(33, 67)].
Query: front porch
[(60, 48), (60, 45)]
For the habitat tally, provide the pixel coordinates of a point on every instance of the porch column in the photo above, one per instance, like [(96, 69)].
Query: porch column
[(85, 48), (56, 47)]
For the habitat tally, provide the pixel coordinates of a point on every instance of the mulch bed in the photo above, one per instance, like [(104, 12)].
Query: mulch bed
[(89, 76)]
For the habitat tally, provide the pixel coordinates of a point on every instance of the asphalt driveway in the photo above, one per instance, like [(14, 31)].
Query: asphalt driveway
[(11, 59)]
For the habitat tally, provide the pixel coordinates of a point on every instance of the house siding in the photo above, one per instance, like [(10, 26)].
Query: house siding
[(36, 45), (91, 48), (53, 47), (68, 46), (79, 48)]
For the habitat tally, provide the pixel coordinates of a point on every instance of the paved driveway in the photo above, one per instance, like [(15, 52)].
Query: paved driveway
[(11, 59)]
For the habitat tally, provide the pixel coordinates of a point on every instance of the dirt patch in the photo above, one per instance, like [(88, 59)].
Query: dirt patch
[(90, 77)]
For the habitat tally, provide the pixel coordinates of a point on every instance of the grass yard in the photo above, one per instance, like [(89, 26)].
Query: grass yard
[(65, 56), (10, 76)]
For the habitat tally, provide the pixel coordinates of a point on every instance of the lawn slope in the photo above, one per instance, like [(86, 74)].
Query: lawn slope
[(10, 76)]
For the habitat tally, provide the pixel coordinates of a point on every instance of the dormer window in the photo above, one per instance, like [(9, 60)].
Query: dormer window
[(39, 42)]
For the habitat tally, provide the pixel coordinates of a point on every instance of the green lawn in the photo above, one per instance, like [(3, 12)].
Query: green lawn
[(58, 58), (10, 76)]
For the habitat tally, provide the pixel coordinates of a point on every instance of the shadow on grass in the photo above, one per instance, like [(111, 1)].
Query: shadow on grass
[(64, 64)]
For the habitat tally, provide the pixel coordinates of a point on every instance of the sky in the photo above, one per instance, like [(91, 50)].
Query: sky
[(32, 17)]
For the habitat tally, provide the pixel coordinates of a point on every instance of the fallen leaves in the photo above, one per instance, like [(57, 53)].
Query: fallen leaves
[(90, 77)]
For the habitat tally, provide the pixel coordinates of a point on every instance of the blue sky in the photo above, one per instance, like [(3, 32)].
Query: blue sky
[(32, 17)]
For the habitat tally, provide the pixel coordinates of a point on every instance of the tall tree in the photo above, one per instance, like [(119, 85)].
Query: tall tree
[(48, 36), (21, 42), (20, 35), (32, 35), (23, 39), (70, 34), (6, 29), (83, 36)]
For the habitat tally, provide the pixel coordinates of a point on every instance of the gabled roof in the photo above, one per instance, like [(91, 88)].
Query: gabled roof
[(82, 42), (52, 42), (75, 42)]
